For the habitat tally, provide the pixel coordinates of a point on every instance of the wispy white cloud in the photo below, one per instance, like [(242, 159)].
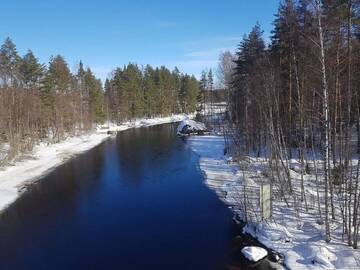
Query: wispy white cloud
[(202, 59), (203, 53)]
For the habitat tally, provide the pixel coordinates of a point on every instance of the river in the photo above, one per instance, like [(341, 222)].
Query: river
[(136, 201)]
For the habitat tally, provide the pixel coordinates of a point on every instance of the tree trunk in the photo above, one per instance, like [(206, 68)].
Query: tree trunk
[(326, 121)]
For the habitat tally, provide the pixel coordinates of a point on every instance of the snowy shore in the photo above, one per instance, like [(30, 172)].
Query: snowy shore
[(295, 234), (45, 158)]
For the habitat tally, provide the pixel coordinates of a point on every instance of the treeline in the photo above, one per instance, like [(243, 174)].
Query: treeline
[(301, 93), (133, 92), (50, 102)]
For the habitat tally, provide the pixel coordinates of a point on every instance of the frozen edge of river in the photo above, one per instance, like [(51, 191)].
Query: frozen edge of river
[(301, 244), (45, 158)]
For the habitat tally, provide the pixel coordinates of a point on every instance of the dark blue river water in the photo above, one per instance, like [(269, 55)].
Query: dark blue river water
[(134, 202)]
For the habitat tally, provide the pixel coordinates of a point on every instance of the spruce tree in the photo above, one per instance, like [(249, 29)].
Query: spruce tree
[(9, 63), (58, 76), (96, 99), (31, 71)]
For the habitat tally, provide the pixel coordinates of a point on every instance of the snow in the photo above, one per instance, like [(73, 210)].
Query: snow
[(254, 254), (45, 158), (323, 257), (191, 126), (293, 231), (4, 149), (216, 108)]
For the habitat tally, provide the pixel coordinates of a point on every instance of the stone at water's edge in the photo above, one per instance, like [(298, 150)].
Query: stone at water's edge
[(254, 254), (188, 126)]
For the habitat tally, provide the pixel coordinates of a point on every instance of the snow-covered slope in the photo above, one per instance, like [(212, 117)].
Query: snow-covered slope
[(295, 234)]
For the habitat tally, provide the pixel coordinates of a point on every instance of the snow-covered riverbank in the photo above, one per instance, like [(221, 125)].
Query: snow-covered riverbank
[(45, 158), (295, 234)]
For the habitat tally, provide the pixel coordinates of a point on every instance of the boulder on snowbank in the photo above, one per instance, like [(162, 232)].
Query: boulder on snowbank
[(254, 254), (188, 127)]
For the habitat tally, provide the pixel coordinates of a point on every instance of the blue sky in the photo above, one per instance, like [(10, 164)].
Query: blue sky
[(109, 33)]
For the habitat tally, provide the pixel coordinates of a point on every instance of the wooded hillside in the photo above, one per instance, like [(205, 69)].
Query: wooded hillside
[(49, 102)]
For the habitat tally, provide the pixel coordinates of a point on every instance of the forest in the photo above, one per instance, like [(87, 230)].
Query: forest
[(293, 102), (41, 102), (297, 97)]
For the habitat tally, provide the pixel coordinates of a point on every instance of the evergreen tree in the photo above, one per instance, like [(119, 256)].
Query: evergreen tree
[(150, 90), (58, 76), (80, 77), (132, 86), (210, 80), (176, 76), (108, 98), (249, 50), (82, 91), (189, 90), (204, 81), (57, 83), (202, 97), (31, 71), (166, 95), (9, 63), (96, 99), (192, 94)]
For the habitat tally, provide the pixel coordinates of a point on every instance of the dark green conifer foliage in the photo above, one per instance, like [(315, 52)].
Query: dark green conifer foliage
[(31, 71), (96, 96), (58, 77), (9, 63)]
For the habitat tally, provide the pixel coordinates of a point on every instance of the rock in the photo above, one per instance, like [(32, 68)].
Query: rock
[(229, 160), (254, 254), (274, 256), (187, 127)]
